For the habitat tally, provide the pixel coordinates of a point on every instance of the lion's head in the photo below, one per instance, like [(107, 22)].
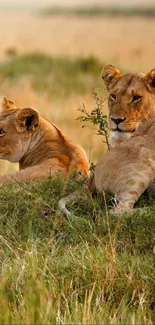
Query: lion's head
[(16, 129), (131, 101)]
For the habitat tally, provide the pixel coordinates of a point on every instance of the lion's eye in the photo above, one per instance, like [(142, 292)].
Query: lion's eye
[(112, 96), (1, 132), (136, 98)]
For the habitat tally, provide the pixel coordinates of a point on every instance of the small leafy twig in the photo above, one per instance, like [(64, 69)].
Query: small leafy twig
[(97, 118)]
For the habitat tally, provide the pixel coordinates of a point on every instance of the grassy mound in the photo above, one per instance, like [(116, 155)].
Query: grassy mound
[(54, 75), (92, 268)]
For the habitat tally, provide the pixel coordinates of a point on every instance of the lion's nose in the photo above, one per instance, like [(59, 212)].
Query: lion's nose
[(118, 120)]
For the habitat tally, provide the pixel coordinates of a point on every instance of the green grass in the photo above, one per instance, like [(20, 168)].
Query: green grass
[(91, 268), (54, 75), (93, 11)]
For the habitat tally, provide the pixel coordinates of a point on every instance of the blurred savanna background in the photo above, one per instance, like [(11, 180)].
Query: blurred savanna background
[(52, 54)]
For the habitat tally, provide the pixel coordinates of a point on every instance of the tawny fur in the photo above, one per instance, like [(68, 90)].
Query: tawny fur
[(128, 169), (39, 146), (131, 99)]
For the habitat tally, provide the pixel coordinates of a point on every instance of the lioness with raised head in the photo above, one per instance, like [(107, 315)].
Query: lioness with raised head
[(39, 146), (128, 169), (131, 100)]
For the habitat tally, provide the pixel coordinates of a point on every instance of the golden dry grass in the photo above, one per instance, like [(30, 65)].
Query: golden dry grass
[(127, 42)]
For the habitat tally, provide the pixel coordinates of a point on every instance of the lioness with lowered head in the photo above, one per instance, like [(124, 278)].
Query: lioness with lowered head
[(39, 146)]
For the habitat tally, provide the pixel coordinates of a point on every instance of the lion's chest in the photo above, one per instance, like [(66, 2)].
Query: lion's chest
[(117, 137)]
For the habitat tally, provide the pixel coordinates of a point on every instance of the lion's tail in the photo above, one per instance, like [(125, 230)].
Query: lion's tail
[(75, 196), (69, 198)]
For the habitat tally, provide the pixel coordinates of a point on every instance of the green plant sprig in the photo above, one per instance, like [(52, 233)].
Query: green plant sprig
[(97, 118)]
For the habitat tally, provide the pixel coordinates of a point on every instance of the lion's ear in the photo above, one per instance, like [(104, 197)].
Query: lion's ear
[(110, 74), (7, 104), (27, 119), (150, 79)]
